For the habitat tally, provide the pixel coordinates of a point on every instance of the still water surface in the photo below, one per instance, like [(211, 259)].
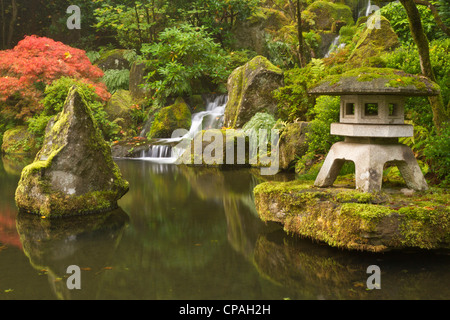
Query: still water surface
[(191, 233)]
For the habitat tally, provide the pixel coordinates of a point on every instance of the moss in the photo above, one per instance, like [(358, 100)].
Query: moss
[(326, 13), (372, 42), (250, 90), (392, 77), (262, 62), (348, 219), (19, 141), (171, 118), (104, 185), (354, 196)]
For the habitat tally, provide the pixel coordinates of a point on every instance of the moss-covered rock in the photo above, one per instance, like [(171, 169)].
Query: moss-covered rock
[(19, 141), (251, 33), (326, 14), (292, 144), (138, 71), (372, 42), (171, 118), (217, 148), (74, 172), (119, 109), (250, 89), (113, 59), (349, 219)]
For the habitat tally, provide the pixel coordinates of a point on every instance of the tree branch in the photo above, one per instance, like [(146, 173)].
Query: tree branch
[(435, 13)]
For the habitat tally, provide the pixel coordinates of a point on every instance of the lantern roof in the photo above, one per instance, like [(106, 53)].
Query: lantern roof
[(376, 81)]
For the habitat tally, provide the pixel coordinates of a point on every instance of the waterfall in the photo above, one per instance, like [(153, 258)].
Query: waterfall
[(211, 118), (334, 46), (363, 9)]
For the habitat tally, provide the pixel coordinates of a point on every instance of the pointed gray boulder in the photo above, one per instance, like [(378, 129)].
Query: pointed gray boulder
[(74, 172)]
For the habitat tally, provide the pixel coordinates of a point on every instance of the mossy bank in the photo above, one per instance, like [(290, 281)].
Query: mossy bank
[(345, 218)]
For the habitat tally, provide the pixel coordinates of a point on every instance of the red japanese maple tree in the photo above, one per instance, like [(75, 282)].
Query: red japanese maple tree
[(36, 62)]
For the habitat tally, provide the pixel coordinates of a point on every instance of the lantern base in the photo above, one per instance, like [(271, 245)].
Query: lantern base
[(369, 162)]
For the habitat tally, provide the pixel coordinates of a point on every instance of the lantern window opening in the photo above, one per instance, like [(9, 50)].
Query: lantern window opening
[(371, 109)]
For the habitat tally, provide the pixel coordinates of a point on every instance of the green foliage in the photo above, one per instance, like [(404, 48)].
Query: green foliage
[(131, 22), (437, 152), (406, 58), (280, 53), (240, 57), (324, 113), (347, 33), (93, 56), (396, 14), (116, 79), (53, 102), (183, 57), (217, 17), (260, 121), (293, 99)]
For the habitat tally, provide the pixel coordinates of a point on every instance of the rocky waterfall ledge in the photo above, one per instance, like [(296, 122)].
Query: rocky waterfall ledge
[(341, 217), (74, 172)]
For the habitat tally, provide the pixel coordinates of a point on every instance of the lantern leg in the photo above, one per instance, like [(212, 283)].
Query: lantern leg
[(331, 167)]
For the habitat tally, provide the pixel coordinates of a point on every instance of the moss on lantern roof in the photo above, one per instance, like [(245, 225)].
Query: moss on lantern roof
[(376, 81)]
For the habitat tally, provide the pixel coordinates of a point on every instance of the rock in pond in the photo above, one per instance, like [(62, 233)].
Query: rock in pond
[(74, 172), (352, 220)]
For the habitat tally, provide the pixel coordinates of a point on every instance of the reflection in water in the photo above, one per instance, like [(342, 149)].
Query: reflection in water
[(193, 233), (85, 241), (310, 271)]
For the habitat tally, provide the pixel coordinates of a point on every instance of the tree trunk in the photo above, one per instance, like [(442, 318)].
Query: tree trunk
[(440, 115), (12, 23), (3, 25), (138, 23), (301, 47)]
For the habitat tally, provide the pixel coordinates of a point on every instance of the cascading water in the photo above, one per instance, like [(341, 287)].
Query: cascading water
[(211, 118), (334, 46), (363, 9)]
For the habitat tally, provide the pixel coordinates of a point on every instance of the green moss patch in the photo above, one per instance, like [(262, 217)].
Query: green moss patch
[(352, 220), (171, 118)]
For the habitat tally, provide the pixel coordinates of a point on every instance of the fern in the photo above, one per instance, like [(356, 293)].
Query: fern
[(93, 56), (260, 121), (131, 56), (116, 79)]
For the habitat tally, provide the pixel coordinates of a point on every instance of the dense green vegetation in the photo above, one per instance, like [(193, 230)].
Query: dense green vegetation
[(191, 47)]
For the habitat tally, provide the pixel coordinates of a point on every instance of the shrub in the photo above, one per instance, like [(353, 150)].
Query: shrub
[(325, 112), (396, 14), (406, 58), (115, 79), (293, 99), (260, 121), (185, 55), (53, 102), (437, 152), (33, 64)]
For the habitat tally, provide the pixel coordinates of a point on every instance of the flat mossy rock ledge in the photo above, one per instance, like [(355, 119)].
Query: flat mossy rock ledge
[(73, 173), (348, 219)]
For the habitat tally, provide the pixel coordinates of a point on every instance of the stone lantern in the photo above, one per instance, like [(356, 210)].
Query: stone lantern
[(372, 118)]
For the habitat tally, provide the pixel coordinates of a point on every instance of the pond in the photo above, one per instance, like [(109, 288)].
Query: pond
[(193, 234)]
